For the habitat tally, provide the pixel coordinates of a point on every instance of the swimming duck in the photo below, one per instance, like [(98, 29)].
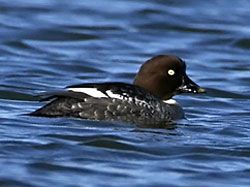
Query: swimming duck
[(147, 100)]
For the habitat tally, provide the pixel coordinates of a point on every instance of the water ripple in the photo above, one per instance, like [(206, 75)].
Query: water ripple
[(46, 45)]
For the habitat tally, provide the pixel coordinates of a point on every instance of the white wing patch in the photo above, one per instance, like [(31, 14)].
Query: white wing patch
[(112, 95), (93, 92)]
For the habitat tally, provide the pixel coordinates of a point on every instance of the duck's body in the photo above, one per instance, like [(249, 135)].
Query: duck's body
[(145, 101), (111, 102)]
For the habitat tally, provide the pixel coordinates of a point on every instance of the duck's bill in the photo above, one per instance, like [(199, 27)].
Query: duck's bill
[(188, 86)]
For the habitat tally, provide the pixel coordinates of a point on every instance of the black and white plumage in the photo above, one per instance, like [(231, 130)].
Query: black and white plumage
[(142, 102), (107, 101)]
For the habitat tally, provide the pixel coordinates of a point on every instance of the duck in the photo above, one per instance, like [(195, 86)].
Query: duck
[(148, 100)]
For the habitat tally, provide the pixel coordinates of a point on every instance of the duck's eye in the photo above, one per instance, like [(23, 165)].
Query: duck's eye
[(171, 72)]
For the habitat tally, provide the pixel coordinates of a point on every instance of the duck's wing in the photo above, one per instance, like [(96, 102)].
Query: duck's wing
[(48, 96), (115, 90), (99, 98), (84, 100), (96, 90)]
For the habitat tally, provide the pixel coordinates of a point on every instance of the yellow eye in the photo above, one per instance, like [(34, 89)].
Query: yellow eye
[(171, 72)]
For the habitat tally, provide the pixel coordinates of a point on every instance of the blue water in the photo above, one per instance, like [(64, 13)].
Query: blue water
[(49, 44)]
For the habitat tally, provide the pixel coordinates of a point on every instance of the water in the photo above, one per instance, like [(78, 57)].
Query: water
[(48, 44)]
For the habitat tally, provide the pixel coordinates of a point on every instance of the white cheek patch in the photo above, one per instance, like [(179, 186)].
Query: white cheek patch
[(89, 91)]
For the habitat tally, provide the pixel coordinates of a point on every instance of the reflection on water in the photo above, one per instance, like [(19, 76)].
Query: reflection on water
[(47, 45)]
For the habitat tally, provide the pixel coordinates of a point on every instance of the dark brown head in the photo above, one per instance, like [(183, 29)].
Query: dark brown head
[(165, 76)]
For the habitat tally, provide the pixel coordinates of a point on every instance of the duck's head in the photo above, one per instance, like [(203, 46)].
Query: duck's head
[(165, 76)]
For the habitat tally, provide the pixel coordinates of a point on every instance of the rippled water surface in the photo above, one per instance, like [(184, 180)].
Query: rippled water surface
[(49, 44)]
